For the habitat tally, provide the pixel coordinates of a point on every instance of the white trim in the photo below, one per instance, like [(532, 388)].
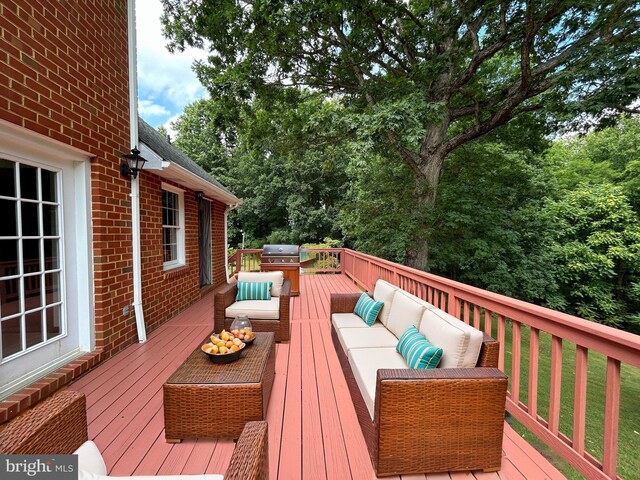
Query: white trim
[(180, 231), (28, 145), (181, 175), (39, 372), (76, 282), (133, 72), (226, 238)]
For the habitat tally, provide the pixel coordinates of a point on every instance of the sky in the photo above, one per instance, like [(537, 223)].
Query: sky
[(166, 82)]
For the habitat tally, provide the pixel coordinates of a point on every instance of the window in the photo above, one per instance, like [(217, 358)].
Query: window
[(172, 227), (31, 297)]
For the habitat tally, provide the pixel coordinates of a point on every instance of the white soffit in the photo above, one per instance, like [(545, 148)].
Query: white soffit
[(177, 173)]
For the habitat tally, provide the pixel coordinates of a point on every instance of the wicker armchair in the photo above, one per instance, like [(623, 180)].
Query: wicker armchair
[(436, 420), (58, 425), (225, 296)]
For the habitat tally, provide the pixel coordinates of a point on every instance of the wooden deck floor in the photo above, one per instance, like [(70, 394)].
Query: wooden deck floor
[(313, 430)]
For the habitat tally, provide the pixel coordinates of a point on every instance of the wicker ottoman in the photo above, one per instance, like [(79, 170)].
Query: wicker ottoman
[(204, 399)]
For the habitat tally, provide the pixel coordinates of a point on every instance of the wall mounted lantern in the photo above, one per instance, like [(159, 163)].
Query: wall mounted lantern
[(133, 163), (199, 195)]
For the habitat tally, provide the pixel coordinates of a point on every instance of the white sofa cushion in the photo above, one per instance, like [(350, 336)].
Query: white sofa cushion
[(91, 466), (365, 363), (384, 292), (276, 278), (404, 312), (258, 309), (460, 342), (351, 320), (366, 337), (90, 459)]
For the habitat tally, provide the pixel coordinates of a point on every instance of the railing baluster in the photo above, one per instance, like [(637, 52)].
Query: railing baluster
[(580, 399), (488, 322), (515, 362), (476, 316), (465, 315), (611, 418), (534, 355), (501, 328), (556, 378)]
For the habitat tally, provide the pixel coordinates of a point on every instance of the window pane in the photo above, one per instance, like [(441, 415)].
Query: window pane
[(53, 322), (8, 258), (8, 223), (49, 220), (33, 322), (51, 255), (11, 337), (7, 178), (28, 182), (10, 297), (31, 256), (32, 295), (30, 221), (48, 180), (52, 285)]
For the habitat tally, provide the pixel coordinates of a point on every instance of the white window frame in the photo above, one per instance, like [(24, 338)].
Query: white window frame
[(180, 261), (74, 181)]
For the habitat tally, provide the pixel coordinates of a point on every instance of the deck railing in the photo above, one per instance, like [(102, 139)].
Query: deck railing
[(502, 316)]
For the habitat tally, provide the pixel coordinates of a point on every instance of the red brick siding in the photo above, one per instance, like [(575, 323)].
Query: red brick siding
[(64, 74), (165, 293)]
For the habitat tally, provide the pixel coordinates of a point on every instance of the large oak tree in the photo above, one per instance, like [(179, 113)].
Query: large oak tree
[(430, 76)]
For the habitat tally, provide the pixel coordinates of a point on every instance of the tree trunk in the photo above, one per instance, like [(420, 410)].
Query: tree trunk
[(424, 196)]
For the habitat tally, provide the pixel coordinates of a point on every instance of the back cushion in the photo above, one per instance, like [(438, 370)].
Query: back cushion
[(277, 278), (384, 292), (404, 313), (460, 342)]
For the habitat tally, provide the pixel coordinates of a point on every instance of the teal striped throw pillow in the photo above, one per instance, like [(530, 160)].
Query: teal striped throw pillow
[(417, 351), (253, 291), (367, 309)]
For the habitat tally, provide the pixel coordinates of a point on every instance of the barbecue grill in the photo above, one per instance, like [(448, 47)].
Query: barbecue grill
[(285, 258)]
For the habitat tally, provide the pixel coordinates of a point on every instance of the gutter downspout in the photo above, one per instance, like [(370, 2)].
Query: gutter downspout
[(135, 185), (226, 239)]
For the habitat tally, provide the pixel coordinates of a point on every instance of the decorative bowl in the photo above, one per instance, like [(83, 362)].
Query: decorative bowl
[(223, 357)]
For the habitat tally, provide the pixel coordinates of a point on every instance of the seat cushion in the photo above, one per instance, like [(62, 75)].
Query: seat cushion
[(350, 320), (90, 459), (259, 309), (365, 337), (277, 278), (404, 312), (365, 363), (384, 292), (367, 309), (460, 342)]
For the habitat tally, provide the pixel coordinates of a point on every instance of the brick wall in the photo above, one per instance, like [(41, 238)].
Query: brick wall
[(64, 74), (167, 293)]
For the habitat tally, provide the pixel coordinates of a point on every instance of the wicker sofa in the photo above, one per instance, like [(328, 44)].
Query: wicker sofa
[(421, 420), (58, 425), (265, 315)]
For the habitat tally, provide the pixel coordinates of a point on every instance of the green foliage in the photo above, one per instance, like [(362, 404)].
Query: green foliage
[(490, 227), (597, 255)]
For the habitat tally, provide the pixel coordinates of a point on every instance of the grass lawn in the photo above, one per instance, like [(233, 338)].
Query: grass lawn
[(629, 428)]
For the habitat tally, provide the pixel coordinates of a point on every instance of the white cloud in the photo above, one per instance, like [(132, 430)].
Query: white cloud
[(148, 107), (164, 79)]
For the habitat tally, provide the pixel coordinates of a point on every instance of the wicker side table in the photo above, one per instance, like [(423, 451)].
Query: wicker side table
[(204, 399)]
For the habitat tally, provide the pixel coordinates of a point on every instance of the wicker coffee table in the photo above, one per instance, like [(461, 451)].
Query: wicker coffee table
[(205, 399)]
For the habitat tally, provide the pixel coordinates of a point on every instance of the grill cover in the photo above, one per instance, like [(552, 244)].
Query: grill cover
[(281, 251)]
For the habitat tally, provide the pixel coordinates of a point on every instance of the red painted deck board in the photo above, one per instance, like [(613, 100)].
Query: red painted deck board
[(313, 429)]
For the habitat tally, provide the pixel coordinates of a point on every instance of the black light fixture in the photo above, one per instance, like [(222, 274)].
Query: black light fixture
[(199, 195), (134, 163)]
